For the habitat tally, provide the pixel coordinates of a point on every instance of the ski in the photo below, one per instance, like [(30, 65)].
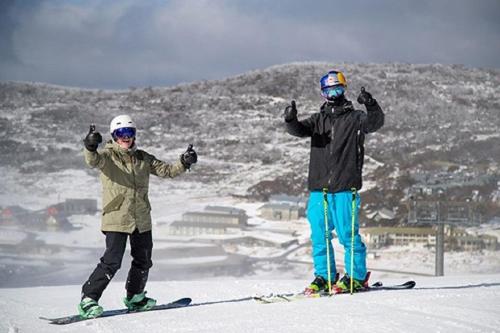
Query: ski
[(289, 297), (180, 303)]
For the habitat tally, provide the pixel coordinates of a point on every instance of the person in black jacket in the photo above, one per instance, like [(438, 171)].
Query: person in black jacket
[(337, 135)]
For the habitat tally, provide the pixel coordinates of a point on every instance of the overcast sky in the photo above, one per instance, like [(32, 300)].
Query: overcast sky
[(120, 44)]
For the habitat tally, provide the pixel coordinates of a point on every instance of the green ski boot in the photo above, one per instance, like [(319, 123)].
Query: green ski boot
[(88, 308), (319, 285), (344, 285), (139, 302)]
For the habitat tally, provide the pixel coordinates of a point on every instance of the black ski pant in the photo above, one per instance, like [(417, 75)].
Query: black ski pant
[(141, 245)]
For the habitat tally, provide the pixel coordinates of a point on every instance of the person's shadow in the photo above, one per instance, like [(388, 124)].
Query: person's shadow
[(481, 285)]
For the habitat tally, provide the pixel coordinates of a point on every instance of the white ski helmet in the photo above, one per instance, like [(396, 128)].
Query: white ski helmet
[(122, 122)]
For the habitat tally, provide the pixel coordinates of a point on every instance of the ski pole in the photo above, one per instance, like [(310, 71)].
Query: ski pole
[(353, 206), (327, 239)]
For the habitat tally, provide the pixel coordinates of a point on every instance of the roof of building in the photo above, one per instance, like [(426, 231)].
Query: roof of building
[(397, 230), (203, 224), (212, 214), (225, 209), (382, 213), (280, 206)]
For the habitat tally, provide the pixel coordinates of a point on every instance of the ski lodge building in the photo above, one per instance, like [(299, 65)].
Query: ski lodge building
[(284, 207), (213, 220), (455, 238)]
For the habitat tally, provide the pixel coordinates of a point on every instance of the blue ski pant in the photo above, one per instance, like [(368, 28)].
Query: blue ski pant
[(339, 217)]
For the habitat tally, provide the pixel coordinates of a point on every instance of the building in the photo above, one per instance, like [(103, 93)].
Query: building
[(260, 239), (187, 228), (459, 239), (240, 214), (216, 217), (226, 210), (50, 218), (284, 207), (289, 199), (15, 215), (213, 220), (381, 216), (78, 206), (381, 236), (281, 211), (455, 238), (54, 217)]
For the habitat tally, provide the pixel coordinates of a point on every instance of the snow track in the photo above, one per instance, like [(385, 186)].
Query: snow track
[(445, 304)]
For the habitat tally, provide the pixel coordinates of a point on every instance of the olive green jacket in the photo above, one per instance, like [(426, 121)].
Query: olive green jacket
[(125, 183)]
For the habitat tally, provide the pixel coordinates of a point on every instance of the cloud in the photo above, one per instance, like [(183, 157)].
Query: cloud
[(118, 44)]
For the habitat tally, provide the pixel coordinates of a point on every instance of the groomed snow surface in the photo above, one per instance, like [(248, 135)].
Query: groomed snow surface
[(445, 304), (467, 299)]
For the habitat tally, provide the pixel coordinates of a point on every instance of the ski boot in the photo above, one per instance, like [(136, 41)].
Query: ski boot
[(344, 285), (88, 308), (139, 302), (318, 286)]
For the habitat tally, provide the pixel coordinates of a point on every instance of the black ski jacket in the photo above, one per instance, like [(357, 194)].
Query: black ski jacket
[(337, 144)]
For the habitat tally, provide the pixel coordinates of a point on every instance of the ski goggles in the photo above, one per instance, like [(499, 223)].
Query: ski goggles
[(332, 92), (124, 132)]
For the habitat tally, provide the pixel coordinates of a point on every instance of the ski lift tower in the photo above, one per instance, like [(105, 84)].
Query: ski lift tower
[(432, 207)]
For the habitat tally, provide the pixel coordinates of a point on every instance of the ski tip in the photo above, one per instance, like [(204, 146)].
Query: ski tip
[(183, 301), (410, 284)]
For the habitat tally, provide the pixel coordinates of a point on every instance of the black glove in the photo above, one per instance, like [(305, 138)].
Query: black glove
[(189, 157), (365, 97), (290, 112), (93, 139)]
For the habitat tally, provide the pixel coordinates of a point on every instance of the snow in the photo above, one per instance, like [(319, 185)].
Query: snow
[(484, 137), (193, 260), (467, 299), (469, 303), (8, 236)]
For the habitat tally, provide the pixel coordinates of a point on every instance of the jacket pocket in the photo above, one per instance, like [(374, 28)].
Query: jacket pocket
[(114, 204)]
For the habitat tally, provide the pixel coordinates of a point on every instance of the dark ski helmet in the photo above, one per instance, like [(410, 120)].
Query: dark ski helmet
[(333, 85)]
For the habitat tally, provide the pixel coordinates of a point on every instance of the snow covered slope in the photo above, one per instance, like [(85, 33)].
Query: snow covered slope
[(446, 304), (440, 119)]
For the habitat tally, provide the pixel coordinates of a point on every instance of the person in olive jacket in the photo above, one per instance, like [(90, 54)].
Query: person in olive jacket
[(337, 133), (124, 172)]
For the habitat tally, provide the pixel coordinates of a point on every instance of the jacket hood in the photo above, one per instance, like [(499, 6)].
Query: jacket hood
[(337, 110), (116, 147)]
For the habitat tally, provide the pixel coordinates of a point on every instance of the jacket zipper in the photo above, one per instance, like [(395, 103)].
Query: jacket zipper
[(332, 138), (358, 151), (135, 188)]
